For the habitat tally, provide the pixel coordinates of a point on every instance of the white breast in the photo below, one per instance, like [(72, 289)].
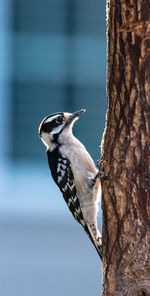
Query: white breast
[(82, 166)]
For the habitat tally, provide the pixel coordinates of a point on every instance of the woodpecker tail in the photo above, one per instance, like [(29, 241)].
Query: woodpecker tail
[(95, 237)]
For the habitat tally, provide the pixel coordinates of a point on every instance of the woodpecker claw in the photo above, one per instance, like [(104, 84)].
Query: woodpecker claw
[(100, 166), (100, 174)]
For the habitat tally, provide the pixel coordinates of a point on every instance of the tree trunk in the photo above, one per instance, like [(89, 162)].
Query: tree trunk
[(126, 150)]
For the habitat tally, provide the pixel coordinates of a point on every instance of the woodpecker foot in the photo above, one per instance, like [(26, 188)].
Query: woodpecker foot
[(100, 165), (100, 174)]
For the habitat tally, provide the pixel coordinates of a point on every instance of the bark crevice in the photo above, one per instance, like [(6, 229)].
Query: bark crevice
[(126, 150)]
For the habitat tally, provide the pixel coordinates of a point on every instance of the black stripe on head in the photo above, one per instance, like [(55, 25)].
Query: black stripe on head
[(53, 114), (51, 122)]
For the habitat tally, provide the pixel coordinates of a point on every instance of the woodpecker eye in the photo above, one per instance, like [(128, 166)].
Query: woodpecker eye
[(59, 119)]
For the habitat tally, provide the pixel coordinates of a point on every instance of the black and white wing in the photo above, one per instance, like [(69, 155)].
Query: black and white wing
[(62, 174)]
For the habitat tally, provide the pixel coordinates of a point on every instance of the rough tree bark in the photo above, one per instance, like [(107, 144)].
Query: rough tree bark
[(126, 150)]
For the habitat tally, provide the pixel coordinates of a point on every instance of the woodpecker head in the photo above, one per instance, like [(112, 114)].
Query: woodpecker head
[(53, 125)]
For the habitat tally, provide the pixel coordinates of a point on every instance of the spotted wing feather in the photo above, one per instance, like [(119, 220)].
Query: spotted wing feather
[(62, 174)]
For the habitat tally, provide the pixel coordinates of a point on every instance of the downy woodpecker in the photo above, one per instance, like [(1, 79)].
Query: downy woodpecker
[(73, 171)]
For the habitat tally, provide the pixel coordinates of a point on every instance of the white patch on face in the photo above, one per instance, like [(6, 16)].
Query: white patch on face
[(57, 129), (51, 118), (47, 140)]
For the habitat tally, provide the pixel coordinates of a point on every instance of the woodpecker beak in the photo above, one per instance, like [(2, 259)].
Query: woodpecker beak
[(75, 115)]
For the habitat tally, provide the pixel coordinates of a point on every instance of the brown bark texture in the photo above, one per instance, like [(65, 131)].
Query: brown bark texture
[(126, 151)]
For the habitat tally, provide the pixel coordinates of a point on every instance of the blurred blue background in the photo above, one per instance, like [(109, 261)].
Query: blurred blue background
[(52, 58)]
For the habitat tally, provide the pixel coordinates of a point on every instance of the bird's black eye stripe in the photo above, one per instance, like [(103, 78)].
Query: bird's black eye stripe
[(59, 119), (48, 127)]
